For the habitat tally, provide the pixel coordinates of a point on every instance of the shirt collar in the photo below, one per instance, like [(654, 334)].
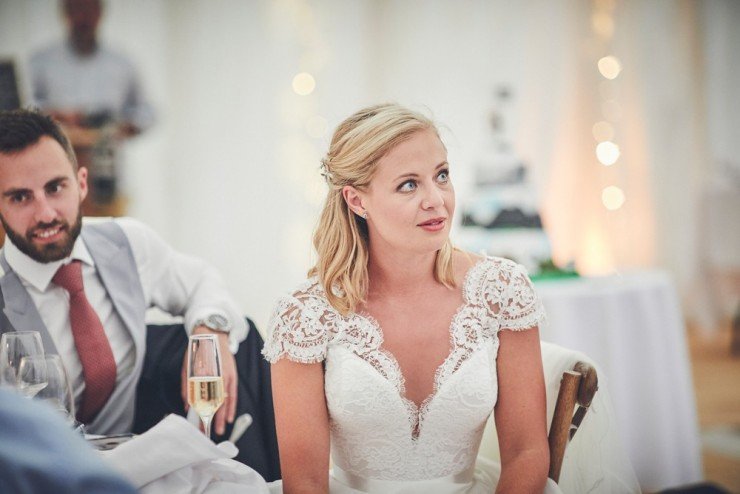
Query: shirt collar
[(38, 274)]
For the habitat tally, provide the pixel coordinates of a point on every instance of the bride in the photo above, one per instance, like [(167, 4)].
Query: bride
[(396, 350)]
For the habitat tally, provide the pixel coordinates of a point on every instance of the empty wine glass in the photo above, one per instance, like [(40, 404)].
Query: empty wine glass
[(32, 375), (13, 347), (57, 392), (205, 382)]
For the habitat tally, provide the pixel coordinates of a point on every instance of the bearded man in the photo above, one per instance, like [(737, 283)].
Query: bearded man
[(85, 286)]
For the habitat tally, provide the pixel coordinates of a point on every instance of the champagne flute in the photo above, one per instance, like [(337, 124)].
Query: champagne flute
[(32, 375), (13, 347), (205, 382), (57, 392)]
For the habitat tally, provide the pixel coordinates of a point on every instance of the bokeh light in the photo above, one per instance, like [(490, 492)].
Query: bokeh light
[(603, 131), (602, 24), (612, 197), (304, 84), (607, 153), (610, 67)]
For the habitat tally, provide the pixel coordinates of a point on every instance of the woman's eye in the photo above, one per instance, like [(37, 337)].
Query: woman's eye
[(407, 186), (443, 176)]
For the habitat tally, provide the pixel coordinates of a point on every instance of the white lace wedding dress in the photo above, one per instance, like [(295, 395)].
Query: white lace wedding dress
[(380, 441)]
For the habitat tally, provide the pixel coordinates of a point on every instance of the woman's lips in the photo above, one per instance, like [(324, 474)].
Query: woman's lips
[(433, 225)]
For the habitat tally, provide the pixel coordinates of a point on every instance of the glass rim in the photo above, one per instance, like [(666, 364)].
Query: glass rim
[(49, 356), (203, 336), (21, 332)]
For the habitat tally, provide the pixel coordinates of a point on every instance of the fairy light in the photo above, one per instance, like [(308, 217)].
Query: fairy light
[(602, 24), (603, 131), (609, 67), (303, 84), (607, 153), (612, 197)]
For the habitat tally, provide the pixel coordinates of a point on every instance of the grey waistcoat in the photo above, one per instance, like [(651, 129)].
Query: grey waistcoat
[(114, 262)]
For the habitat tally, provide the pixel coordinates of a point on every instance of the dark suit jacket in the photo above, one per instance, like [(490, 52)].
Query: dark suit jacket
[(158, 393)]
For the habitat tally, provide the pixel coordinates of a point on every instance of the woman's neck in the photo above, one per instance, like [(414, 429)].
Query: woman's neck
[(398, 273)]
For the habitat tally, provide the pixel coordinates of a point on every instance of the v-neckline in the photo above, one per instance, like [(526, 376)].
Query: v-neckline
[(416, 411)]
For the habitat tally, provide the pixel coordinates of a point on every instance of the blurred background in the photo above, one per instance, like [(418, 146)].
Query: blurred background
[(594, 141)]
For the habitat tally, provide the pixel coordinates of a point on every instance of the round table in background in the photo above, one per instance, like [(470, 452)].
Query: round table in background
[(631, 325)]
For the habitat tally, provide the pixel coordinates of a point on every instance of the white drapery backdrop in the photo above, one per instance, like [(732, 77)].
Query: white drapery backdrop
[(230, 172)]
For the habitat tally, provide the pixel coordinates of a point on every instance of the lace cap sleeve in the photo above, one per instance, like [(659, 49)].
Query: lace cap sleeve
[(518, 307), (297, 331)]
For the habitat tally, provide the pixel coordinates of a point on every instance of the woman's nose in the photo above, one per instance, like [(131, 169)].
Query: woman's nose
[(433, 198)]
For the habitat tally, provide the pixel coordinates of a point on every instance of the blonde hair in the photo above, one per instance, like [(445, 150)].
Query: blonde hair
[(341, 237)]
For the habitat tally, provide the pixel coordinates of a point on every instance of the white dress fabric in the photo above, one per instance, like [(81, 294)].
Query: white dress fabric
[(381, 442)]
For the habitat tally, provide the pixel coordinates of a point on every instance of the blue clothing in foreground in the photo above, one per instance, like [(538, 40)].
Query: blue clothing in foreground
[(39, 454)]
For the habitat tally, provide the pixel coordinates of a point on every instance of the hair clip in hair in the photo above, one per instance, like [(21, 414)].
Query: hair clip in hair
[(325, 172)]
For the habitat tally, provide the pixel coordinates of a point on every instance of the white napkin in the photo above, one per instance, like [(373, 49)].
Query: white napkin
[(174, 457)]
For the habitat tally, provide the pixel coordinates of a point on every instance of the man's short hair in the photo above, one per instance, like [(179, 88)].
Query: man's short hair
[(20, 129)]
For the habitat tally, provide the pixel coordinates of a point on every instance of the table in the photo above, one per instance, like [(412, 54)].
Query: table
[(631, 326)]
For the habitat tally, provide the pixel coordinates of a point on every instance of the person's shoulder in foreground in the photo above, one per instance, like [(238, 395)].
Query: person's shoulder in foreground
[(39, 454)]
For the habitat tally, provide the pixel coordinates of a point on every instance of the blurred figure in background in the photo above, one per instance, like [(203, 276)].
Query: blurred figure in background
[(95, 93)]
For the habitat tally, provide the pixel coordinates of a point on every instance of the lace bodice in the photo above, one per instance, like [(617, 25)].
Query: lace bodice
[(376, 431)]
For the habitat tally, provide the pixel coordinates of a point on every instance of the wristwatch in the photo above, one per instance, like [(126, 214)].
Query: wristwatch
[(215, 322)]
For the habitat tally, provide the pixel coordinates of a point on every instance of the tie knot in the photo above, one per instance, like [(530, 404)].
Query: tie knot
[(69, 277)]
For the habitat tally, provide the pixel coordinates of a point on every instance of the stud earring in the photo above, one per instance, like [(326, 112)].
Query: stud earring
[(364, 215)]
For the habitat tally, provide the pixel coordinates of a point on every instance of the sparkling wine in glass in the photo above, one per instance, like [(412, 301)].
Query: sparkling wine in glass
[(205, 382), (13, 347)]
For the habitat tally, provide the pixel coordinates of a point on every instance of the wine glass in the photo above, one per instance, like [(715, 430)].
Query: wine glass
[(13, 347), (57, 392), (32, 375), (205, 383)]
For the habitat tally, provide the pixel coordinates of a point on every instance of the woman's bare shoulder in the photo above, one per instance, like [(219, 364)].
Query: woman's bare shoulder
[(463, 261)]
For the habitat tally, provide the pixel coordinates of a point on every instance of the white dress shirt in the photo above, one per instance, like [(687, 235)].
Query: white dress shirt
[(173, 282)]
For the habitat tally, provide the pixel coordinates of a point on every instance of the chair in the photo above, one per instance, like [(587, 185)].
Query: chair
[(158, 393), (593, 459), (577, 387)]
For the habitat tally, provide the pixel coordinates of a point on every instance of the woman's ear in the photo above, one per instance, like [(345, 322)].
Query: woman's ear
[(353, 199)]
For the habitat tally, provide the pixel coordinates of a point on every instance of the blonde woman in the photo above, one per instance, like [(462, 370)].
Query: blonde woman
[(397, 349)]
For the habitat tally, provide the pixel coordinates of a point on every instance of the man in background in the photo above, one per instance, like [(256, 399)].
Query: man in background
[(96, 94)]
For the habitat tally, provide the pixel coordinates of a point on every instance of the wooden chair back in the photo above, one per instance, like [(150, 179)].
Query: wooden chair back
[(577, 389)]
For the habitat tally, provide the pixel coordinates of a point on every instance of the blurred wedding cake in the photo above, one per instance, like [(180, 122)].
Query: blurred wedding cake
[(501, 216)]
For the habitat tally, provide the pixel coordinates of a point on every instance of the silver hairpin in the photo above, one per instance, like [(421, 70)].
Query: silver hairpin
[(325, 172)]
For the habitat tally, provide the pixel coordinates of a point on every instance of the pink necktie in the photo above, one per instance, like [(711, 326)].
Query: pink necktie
[(93, 348)]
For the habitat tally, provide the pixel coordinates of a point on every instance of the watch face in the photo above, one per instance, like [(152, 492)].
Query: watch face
[(217, 321)]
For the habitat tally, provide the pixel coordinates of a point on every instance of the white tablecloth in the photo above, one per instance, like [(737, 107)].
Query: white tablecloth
[(631, 325)]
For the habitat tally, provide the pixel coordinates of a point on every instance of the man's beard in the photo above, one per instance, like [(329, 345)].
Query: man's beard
[(49, 252)]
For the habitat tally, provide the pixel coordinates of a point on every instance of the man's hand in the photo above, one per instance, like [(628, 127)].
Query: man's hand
[(228, 371)]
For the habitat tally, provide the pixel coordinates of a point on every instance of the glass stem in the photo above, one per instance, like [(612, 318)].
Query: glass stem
[(207, 425)]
